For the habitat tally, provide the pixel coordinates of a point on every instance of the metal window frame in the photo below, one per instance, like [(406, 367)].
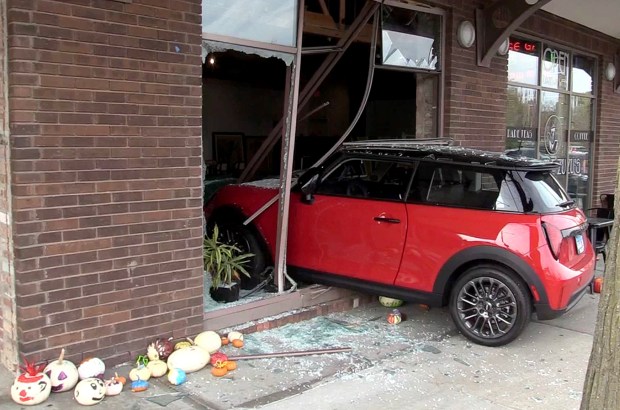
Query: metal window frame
[(594, 97)]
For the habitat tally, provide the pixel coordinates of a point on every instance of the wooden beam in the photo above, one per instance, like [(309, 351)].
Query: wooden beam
[(317, 23)]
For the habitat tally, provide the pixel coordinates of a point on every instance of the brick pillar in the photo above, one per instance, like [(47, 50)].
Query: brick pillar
[(8, 337), (105, 104)]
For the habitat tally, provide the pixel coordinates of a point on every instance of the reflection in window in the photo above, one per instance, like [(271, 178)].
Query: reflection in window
[(268, 21), (583, 73), (410, 38), (522, 122), (523, 62), (579, 151)]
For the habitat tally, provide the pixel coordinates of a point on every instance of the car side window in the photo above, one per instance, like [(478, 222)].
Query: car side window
[(367, 178), (454, 185)]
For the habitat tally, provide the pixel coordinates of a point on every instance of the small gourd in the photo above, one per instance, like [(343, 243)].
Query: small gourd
[(218, 357), (157, 367), (238, 343), (184, 343), (225, 340), (139, 385), (141, 372), (231, 365), (219, 369), (63, 374), (189, 359), (234, 335), (160, 349)]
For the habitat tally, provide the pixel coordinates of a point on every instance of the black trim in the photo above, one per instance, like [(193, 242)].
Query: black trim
[(490, 254), (307, 275), (545, 312)]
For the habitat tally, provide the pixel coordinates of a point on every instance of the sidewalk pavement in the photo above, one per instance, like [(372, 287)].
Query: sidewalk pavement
[(421, 363)]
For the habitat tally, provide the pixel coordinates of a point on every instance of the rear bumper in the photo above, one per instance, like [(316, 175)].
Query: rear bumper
[(545, 312)]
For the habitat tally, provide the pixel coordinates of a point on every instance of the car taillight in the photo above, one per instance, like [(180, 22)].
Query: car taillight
[(554, 239)]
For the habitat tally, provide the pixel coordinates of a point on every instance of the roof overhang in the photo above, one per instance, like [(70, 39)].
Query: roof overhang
[(599, 15)]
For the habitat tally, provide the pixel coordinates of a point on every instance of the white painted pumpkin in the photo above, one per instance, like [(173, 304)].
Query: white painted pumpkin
[(189, 359), (92, 367), (208, 340), (62, 373), (235, 335), (113, 387), (89, 391), (31, 387), (157, 367), (177, 376)]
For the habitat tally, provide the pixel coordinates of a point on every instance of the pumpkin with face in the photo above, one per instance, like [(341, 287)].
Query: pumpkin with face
[(32, 386), (89, 391), (62, 373)]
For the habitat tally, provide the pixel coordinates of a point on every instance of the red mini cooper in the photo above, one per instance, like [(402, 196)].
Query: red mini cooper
[(493, 237)]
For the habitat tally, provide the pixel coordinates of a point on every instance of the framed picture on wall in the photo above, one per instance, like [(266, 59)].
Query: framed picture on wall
[(228, 148)]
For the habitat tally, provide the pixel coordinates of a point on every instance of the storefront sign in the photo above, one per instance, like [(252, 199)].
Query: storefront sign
[(555, 68), (551, 134), (521, 133), (523, 46), (580, 136)]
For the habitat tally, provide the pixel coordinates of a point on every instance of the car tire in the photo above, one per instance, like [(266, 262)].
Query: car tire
[(247, 241), (489, 305)]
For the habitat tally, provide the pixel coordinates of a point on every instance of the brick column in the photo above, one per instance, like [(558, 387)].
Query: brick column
[(105, 104), (8, 336)]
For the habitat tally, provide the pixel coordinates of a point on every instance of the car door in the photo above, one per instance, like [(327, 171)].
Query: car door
[(357, 223)]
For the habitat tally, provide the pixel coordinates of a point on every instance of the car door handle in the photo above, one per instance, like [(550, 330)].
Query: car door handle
[(387, 220)]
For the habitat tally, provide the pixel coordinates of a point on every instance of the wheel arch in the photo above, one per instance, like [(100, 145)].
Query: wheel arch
[(458, 264)]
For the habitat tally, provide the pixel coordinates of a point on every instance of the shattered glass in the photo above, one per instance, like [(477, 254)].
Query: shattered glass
[(209, 46)]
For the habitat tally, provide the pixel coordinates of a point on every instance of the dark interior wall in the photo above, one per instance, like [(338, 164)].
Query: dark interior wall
[(105, 109)]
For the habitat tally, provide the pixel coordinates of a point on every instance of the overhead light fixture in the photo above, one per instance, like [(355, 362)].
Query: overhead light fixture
[(610, 71), (466, 34), (503, 48), (531, 2), (211, 60)]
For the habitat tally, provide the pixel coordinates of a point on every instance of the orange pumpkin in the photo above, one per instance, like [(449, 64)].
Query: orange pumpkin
[(219, 371), (237, 343), (230, 365), (225, 340)]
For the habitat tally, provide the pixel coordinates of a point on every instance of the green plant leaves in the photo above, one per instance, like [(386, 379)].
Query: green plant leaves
[(223, 261)]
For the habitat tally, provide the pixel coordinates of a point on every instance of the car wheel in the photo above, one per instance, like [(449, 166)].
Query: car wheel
[(243, 238), (489, 306)]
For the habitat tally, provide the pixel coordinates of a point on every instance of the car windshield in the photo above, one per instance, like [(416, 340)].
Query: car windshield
[(547, 193)]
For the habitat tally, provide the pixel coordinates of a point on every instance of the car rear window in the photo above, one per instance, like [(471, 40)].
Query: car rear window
[(468, 187), (545, 192)]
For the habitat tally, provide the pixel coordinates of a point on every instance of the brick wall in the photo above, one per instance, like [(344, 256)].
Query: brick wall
[(106, 146), (8, 339)]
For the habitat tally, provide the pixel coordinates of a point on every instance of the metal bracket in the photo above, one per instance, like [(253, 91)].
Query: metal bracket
[(496, 22)]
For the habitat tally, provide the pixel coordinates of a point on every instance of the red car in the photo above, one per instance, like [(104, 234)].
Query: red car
[(491, 236)]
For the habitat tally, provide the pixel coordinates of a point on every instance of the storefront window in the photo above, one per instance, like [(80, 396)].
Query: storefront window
[(410, 38), (583, 72), (553, 129), (579, 148), (550, 97), (267, 21), (522, 122), (555, 68), (523, 58)]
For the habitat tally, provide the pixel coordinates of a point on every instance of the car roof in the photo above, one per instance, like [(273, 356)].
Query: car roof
[(441, 150)]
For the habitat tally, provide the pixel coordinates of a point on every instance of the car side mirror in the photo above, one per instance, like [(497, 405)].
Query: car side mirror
[(308, 183)]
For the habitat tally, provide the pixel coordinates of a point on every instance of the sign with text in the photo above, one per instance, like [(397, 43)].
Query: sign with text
[(521, 133), (580, 136)]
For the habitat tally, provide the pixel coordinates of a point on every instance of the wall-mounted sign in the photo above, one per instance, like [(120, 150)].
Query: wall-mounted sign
[(551, 134), (555, 68), (521, 133)]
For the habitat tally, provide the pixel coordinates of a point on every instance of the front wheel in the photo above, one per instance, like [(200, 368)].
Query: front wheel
[(489, 307)]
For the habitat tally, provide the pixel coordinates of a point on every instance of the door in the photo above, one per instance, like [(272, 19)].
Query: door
[(357, 223)]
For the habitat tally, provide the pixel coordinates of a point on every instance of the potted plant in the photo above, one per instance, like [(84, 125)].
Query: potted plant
[(224, 262)]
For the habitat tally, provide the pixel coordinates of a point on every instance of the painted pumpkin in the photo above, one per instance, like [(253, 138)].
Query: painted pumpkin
[(164, 348), (189, 359), (114, 385), (139, 385), (63, 374), (184, 343), (208, 340), (89, 391), (91, 367), (218, 357), (32, 386), (177, 376)]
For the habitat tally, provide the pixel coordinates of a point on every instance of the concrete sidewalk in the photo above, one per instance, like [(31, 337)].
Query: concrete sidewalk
[(421, 363)]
